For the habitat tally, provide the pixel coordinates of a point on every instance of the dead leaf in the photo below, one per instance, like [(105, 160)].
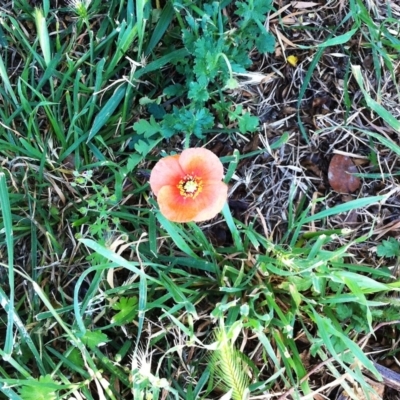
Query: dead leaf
[(222, 149), (361, 161), (368, 62), (252, 145), (377, 386), (321, 105), (340, 175), (390, 378), (69, 162), (238, 206), (314, 163), (383, 230), (289, 110)]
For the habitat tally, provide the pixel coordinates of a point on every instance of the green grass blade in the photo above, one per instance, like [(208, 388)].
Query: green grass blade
[(6, 81), (388, 143), (232, 166), (127, 35), (3, 39), (334, 41), (380, 110), (142, 307), (303, 89), (351, 205), (140, 23), (97, 87), (161, 62), (177, 235), (11, 395), (43, 34), (7, 220), (232, 227), (105, 113), (162, 25)]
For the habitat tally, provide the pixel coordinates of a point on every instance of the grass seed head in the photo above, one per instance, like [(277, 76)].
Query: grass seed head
[(80, 8)]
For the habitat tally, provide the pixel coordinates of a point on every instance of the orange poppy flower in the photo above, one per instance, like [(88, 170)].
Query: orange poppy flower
[(188, 186)]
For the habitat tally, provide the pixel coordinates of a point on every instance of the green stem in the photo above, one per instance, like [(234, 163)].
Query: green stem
[(187, 140)]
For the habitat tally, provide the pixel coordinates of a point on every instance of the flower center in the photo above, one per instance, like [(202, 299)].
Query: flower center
[(190, 186)]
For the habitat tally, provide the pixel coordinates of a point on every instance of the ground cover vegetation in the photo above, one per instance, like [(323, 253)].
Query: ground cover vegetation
[(291, 291)]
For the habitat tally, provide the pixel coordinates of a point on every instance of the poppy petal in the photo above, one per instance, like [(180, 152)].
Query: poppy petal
[(211, 200), (202, 163), (167, 171), (174, 206)]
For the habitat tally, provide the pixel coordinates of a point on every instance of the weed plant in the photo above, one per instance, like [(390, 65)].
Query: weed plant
[(101, 296)]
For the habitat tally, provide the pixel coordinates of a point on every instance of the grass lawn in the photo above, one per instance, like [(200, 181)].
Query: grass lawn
[(290, 291)]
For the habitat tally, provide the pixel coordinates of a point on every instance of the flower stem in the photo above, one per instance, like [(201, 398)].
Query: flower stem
[(187, 140)]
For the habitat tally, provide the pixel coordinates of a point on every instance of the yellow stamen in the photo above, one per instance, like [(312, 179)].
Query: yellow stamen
[(190, 186)]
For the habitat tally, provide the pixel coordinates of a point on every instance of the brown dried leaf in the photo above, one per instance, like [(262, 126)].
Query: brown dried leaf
[(288, 110), (69, 162), (252, 145), (359, 162), (312, 163), (340, 175), (321, 105)]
